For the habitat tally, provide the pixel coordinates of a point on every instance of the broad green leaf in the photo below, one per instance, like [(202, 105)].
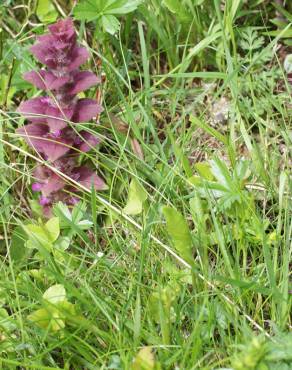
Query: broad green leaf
[(55, 309), (17, 247), (179, 231), (110, 24), (46, 11), (144, 359), (38, 236), (137, 196), (47, 319), (55, 294), (53, 228), (43, 235)]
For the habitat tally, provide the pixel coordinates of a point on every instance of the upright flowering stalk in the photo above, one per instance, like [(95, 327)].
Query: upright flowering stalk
[(51, 131)]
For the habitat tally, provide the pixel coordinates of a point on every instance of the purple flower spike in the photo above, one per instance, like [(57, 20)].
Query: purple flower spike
[(74, 200), (44, 201), (86, 141), (57, 133), (36, 186), (50, 132)]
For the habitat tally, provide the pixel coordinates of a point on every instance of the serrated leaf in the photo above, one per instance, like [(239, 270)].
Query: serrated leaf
[(251, 40), (89, 10), (64, 210), (86, 11), (178, 229), (221, 173), (55, 294), (137, 196), (110, 24)]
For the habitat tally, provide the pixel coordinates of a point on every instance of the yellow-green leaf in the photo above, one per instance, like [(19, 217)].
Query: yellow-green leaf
[(38, 235), (55, 294), (144, 359), (136, 198), (204, 169), (178, 229), (53, 228), (47, 319), (46, 11)]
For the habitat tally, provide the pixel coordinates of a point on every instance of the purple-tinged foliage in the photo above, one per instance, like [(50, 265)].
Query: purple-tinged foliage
[(51, 132)]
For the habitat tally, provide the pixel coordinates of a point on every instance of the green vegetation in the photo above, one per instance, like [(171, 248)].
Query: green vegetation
[(184, 261)]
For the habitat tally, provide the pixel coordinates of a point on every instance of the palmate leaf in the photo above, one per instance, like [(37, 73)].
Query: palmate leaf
[(229, 185), (110, 24), (89, 10)]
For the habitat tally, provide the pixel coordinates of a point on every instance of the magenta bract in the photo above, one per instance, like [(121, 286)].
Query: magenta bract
[(51, 132)]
